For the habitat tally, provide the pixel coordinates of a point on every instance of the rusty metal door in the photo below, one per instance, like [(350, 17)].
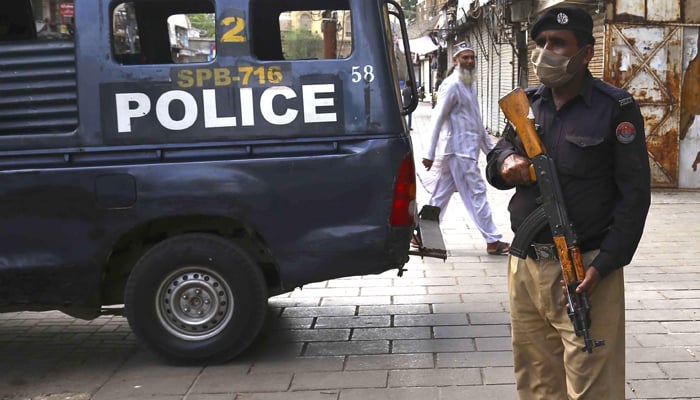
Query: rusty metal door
[(646, 60), (689, 175)]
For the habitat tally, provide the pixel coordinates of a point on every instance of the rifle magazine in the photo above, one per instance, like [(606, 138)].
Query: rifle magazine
[(534, 223)]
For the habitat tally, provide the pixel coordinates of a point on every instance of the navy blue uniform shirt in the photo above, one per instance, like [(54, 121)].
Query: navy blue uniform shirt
[(598, 144)]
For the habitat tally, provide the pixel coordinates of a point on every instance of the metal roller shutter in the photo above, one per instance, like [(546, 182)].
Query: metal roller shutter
[(496, 74), (506, 83), (597, 64)]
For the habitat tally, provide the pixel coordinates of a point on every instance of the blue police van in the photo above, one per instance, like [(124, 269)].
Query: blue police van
[(189, 173)]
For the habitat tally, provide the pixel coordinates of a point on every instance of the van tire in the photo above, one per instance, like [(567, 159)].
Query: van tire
[(196, 298)]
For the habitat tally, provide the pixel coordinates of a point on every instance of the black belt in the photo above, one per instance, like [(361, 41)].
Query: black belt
[(543, 252), (548, 251)]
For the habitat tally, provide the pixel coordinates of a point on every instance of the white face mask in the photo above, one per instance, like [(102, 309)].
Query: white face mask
[(555, 70)]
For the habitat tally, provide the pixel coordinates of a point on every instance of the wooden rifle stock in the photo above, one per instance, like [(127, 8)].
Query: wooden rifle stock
[(516, 108)]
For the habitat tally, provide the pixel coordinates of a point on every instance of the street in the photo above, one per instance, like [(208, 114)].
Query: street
[(439, 332)]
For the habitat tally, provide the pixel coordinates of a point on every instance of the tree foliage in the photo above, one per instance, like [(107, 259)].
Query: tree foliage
[(301, 44), (409, 6), (205, 23)]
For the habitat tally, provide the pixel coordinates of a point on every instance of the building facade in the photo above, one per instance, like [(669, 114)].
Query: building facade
[(648, 47)]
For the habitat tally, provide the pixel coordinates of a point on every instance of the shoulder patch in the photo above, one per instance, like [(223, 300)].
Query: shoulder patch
[(625, 132), (622, 97), (626, 101)]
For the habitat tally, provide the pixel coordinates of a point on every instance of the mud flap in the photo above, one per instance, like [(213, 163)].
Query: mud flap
[(428, 234)]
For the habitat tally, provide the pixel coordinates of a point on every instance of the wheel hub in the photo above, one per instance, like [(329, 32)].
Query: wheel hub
[(194, 303)]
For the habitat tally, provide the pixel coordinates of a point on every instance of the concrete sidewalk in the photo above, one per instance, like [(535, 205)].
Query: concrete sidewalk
[(439, 332)]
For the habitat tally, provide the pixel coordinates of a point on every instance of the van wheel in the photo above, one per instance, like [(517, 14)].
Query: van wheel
[(196, 298)]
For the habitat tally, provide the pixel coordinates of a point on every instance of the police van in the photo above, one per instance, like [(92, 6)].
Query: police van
[(189, 173)]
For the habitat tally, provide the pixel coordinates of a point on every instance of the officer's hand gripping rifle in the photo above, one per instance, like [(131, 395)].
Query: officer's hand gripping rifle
[(516, 108)]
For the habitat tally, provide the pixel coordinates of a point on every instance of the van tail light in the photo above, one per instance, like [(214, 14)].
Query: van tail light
[(403, 211)]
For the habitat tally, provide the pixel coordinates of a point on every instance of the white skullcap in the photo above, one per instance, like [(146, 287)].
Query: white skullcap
[(460, 47)]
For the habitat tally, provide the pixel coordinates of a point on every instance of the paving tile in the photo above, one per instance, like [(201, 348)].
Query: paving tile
[(356, 301), (682, 327), (339, 380), (348, 348), (395, 309), (494, 306), (644, 327), (435, 377), (493, 343), (390, 394), (669, 340), (426, 282), (433, 346), (432, 298), (362, 321), (295, 312), (682, 370), (665, 389), (389, 361), (358, 282), (471, 331), (431, 319), (323, 292), (210, 382), (488, 318), (285, 301), (394, 291), (498, 375), (659, 354), (301, 395), (465, 289), (314, 335), (487, 392), (678, 294), (291, 323), (299, 364), (391, 333), (475, 359), (637, 371)]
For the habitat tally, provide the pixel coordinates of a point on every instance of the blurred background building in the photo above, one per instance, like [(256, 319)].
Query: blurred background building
[(647, 47)]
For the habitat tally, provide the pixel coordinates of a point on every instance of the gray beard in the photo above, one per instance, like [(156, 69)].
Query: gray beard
[(467, 76)]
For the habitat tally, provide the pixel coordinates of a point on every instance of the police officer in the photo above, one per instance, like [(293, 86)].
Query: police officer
[(595, 134)]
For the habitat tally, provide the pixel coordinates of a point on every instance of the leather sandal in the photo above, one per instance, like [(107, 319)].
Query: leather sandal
[(498, 248)]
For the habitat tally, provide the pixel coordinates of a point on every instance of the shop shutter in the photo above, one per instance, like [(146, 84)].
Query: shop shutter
[(597, 64), (506, 83)]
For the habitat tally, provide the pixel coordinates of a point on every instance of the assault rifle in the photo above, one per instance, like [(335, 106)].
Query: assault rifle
[(516, 108)]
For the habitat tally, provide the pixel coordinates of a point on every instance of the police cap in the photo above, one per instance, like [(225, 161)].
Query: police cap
[(564, 18)]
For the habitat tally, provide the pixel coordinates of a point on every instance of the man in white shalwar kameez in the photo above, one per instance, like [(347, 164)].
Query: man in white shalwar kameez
[(457, 115)]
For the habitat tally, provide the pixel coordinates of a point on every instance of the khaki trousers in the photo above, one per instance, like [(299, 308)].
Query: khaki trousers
[(547, 356)]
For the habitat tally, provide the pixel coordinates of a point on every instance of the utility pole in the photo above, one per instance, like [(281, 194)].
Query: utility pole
[(330, 37)]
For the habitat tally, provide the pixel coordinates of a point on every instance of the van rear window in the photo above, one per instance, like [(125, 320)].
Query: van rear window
[(301, 29), (139, 32)]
